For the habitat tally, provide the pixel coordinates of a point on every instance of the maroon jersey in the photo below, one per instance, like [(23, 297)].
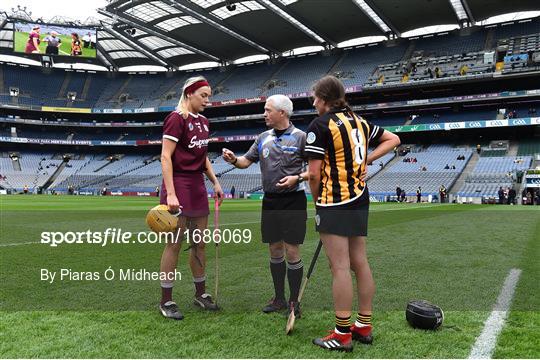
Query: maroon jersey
[(30, 43), (191, 137)]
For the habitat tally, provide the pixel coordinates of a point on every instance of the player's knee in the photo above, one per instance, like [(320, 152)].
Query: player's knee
[(292, 253), (198, 246), (292, 258), (277, 254), (340, 267), (357, 263), (277, 250), (173, 246)]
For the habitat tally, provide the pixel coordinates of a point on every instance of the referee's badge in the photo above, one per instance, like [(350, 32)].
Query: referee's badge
[(311, 138), (266, 152), (317, 220)]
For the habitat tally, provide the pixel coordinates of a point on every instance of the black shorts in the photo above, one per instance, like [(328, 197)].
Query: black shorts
[(343, 220), (283, 218), (51, 50)]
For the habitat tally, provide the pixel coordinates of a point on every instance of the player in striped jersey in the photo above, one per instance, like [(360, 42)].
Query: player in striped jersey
[(337, 147)]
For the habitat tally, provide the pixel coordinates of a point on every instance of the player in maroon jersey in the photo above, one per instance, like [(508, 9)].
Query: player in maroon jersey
[(184, 159)]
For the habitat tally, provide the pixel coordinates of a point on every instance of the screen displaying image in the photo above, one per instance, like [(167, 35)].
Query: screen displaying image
[(58, 40)]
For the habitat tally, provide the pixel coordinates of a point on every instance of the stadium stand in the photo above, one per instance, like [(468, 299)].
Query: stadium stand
[(35, 170), (75, 85), (491, 173), (85, 174), (299, 73), (358, 64), (453, 43), (506, 31), (129, 173), (426, 169), (374, 168), (529, 147), (245, 81), (456, 55), (432, 68), (43, 133), (132, 170)]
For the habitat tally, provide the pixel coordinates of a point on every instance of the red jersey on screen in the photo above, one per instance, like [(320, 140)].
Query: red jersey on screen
[(30, 43), (191, 137)]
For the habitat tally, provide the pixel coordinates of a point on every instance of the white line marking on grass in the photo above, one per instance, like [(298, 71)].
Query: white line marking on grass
[(411, 207), (24, 243), (258, 221), (485, 343)]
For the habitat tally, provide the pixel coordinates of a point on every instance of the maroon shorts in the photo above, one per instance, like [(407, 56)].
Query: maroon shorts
[(191, 194)]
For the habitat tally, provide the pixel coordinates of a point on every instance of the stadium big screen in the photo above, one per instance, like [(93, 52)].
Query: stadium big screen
[(55, 40)]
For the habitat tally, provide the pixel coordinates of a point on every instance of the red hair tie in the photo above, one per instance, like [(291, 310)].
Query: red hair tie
[(196, 86)]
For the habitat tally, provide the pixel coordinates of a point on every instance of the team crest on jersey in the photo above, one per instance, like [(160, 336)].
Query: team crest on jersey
[(317, 220), (311, 137), (205, 127), (266, 152), (190, 126)]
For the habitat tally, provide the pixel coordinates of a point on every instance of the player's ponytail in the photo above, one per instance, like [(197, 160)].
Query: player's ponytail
[(331, 90)]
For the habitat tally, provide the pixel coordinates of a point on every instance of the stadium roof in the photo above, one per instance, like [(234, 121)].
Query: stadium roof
[(173, 33)]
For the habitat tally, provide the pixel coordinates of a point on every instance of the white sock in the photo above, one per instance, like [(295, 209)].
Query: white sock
[(358, 324)]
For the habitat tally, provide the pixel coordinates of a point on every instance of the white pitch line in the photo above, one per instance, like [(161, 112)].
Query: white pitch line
[(24, 243), (253, 222), (485, 344), (411, 207)]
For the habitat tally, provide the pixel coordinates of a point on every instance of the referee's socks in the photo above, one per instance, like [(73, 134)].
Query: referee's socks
[(295, 272)]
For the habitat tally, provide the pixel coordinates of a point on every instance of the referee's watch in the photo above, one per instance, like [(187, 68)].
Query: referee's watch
[(300, 179)]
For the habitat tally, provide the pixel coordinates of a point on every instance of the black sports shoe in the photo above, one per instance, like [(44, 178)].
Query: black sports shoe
[(335, 342), (297, 310), (205, 302), (275, 305), (170, 310)]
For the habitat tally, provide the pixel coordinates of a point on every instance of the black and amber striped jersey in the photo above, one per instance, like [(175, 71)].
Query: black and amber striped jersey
[(341, 139)]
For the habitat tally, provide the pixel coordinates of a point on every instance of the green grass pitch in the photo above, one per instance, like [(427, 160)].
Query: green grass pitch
[(65, 48), (456, 256)]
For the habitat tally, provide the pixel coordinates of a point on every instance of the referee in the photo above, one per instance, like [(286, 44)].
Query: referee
[(280, 152)]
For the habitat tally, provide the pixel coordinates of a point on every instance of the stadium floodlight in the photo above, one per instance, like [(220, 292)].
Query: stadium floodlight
[(230, 6), (457, 5)]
